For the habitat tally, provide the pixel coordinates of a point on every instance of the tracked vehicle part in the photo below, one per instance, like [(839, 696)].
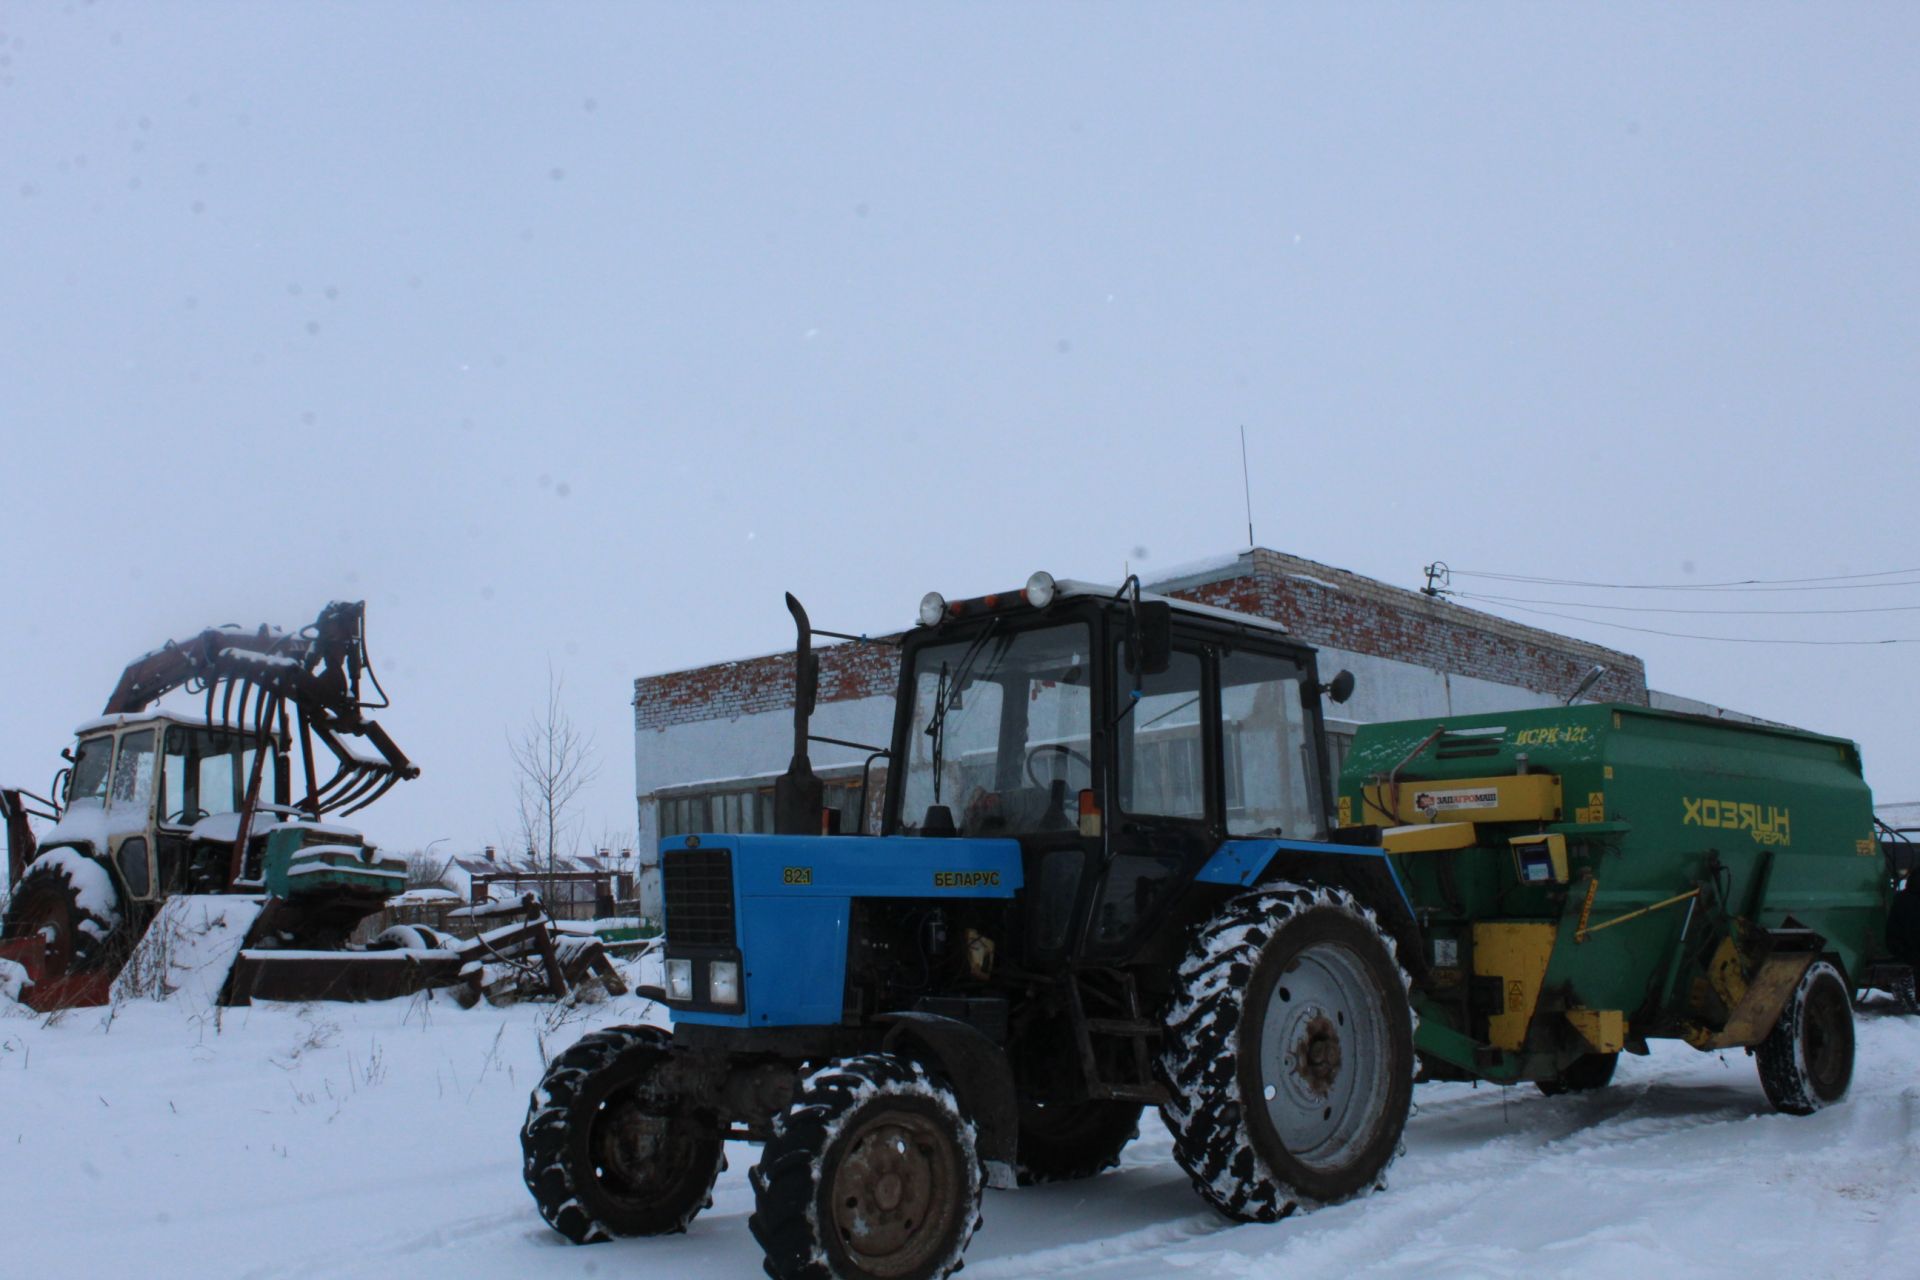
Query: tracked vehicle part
[(871, 1175), (1288, 1057), (606, 1152), (250, 677), (1806, 1062)]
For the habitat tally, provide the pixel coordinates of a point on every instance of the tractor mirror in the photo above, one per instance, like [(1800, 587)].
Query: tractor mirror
[(1340, 688), (1152, 628)]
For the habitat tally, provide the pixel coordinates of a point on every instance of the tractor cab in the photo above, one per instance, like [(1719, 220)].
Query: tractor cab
[(157, 797), (1120, 737)]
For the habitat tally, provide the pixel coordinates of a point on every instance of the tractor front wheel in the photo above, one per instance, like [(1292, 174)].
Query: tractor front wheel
[(1288, 1056), (871, 1174), (608, 1153), (71, 903), (1806, 1061)]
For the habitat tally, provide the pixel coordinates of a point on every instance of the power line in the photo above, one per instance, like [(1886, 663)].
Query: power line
[(1687, 635), (1649, 608), (1850, 581)]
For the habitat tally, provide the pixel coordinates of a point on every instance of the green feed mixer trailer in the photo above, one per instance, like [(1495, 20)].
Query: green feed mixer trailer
[(1588, 878), (1111, 875)]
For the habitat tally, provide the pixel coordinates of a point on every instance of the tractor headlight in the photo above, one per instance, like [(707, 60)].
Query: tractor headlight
[(679, 979), (1039, 591), (933, 607), (723, 982)]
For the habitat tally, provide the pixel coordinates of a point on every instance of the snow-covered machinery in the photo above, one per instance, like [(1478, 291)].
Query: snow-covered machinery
[(160, 806)]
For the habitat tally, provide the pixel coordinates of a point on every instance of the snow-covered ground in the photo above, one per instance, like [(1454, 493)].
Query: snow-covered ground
[(381, 1140)]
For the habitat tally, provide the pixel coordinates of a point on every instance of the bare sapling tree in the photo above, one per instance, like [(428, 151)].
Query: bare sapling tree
[(428, 870), (553, 762)]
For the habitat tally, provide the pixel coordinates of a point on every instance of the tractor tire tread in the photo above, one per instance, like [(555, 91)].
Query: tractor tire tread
[(1199, 1062)]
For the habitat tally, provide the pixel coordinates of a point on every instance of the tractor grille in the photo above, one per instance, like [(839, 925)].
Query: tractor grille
[(699, 893)]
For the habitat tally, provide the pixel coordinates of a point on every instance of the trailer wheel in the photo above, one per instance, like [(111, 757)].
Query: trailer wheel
[(606, 1156), (1582, 1075), (1067, 1142), (1288, 1057), (71, 902), (1806, 1061), (871, 1174)]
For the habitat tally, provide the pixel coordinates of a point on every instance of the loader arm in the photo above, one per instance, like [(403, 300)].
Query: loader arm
[(251, 677)]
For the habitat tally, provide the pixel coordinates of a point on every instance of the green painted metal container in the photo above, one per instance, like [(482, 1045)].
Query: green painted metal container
[(1589, 877)]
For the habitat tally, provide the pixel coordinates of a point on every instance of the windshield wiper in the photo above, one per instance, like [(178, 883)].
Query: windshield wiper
[(946, 694)]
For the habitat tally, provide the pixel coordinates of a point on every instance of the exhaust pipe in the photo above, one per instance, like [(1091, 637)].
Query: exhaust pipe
[(798, 797)]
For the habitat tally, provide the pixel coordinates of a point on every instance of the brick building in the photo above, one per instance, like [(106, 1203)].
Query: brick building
[(708, 743)]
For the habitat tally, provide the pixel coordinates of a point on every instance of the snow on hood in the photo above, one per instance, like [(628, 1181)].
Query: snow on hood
[(88, 822)]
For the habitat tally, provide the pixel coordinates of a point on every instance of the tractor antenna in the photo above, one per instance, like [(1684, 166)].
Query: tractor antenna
[(1246, 484)]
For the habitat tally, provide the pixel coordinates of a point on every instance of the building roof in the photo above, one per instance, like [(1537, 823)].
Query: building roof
[(1319, 604)]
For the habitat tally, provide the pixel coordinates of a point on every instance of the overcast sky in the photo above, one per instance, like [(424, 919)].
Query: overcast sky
[(574, 334)]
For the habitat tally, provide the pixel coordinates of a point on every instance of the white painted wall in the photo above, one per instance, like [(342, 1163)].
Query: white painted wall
[(750, 746)]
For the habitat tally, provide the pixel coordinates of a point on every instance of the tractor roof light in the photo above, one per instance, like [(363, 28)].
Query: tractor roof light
[(933, 607), (1039, 592)]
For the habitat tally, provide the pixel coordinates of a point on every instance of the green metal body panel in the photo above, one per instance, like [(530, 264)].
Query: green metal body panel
[(1777, 824), (301, 862)]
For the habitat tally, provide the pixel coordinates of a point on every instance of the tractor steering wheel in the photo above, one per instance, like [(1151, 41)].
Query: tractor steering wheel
[(186, 816), (1061, 748)]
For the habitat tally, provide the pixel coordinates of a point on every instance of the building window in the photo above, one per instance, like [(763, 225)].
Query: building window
[(743, 810)]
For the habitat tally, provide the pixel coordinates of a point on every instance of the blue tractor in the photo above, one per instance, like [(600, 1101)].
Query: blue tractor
[(1106, 879)]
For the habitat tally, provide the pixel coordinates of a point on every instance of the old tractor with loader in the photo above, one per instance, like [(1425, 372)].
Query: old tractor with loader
[(1110, 875), (159, 809)]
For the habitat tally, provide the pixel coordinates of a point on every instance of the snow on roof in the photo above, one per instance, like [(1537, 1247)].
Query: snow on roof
[(191, 718), (1218, 563), (424, 897), (1067, 587), (1899, 813)]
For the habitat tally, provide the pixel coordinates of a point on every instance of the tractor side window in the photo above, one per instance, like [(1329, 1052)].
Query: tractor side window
[(90, 761), (1162, 765), (133, 772), (1269, 757), (173, 775)]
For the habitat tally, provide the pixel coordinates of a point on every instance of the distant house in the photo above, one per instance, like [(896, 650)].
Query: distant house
[(579, 887)]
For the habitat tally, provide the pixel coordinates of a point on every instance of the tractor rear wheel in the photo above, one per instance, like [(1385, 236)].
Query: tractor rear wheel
[(72, 903), (1806, 1061), (607, 1155), (871, 1174), (1068, 1141), (1582, 1075), (1288, 1057)]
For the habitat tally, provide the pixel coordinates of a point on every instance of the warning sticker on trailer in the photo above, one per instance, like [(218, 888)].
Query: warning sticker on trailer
[(1459, 798)]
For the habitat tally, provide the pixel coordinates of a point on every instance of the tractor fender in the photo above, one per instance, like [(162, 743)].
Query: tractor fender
[(1352, 859), (978, 1070)]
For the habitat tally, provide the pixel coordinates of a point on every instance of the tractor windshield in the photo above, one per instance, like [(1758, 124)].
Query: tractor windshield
[(91, 760), (206, 771), (1001, 731)]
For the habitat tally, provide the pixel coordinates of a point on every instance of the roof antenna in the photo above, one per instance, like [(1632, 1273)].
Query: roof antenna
[(1246, 485)]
